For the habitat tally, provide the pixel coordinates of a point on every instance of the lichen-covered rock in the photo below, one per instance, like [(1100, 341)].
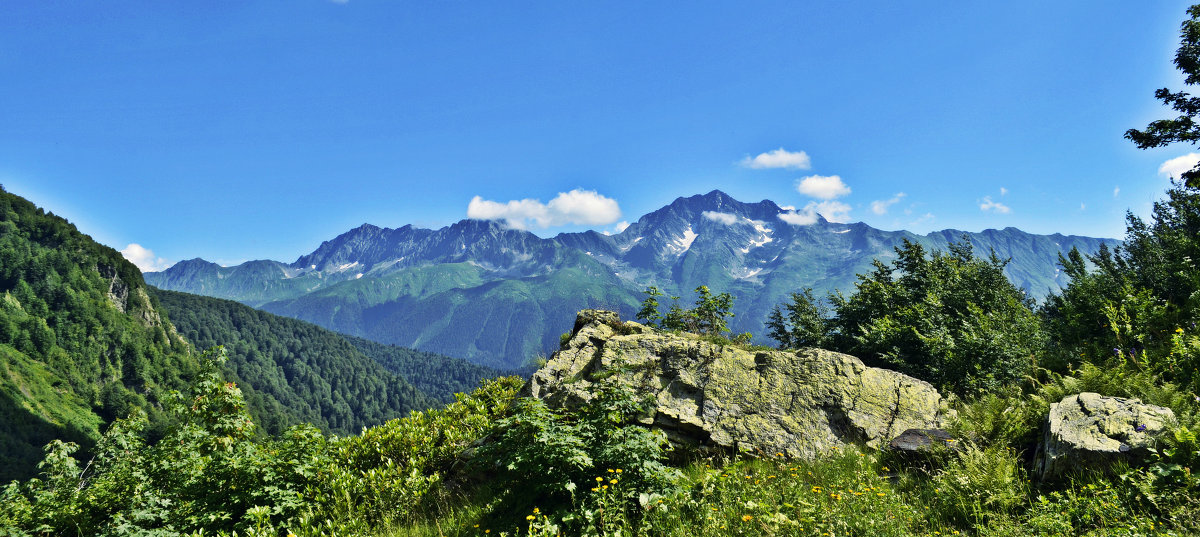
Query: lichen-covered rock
[(1092, 431), (802, 403)]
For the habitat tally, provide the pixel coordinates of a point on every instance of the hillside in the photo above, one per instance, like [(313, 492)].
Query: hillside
[(437, 376), (293, 372), (82, 341), (498, 296)]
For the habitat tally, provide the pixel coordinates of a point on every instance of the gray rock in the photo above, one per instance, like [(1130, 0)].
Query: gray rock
[(921, 440), (802, 403), (1091, 431)]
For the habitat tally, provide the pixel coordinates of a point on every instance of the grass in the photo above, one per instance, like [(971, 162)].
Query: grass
[(978, 491)]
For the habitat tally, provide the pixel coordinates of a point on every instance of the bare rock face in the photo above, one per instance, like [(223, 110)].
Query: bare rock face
[(802, 403), (1092, 431), (118, 290)]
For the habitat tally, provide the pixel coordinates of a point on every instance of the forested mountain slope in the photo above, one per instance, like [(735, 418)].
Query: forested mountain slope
[(81, 340), (84, 340), (291, 371), (438, 376)]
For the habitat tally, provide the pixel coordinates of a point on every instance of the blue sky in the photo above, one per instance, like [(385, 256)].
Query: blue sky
[(249, 130)]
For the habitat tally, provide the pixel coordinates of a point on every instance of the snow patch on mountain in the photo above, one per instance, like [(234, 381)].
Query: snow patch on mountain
[(631, 244), (764, 238), (745, 273), (682, 244)]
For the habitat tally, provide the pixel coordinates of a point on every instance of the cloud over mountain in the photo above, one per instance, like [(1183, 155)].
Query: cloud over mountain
[(881, 206), (824, 187), (723, 218), (144, 258), (577, 207), (989, 206), (779, 158)]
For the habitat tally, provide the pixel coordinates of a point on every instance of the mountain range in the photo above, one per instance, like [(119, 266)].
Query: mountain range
[(499, 296)]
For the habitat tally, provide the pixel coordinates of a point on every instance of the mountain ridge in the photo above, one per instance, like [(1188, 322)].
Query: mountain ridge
[(414, 287)]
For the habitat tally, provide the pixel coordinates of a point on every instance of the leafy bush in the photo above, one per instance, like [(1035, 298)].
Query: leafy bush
[(551, 459), (212, 473), (708, 317), (949, 318), (978, 484), (1005, 418), (805, 324)]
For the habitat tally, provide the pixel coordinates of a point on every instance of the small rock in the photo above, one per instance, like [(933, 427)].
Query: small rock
[(920, 440), (1091, 431)]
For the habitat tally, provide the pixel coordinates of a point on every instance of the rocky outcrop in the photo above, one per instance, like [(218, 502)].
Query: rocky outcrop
[(118, 290), (802, 403), (1092, 431)]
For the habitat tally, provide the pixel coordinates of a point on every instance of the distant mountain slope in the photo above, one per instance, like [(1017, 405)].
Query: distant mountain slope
[(439, 376), (500, 296), (81, 342), (291, 371)]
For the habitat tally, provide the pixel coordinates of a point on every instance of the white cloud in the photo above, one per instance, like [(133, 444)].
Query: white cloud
[(724, 218), (788, 207), (1175, 167), (1003, 191), (925, 218), (779, 158), (987, 205), (1116, 191), (577, 207), (621, 226), (881, 206), (802, 218), (824, 187), (145, 259), (833, 211)]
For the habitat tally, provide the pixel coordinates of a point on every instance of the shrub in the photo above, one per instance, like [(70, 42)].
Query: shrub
[(551, 460)]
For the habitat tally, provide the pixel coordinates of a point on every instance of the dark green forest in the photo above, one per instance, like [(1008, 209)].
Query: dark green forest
[(293, 372), (438, 376)]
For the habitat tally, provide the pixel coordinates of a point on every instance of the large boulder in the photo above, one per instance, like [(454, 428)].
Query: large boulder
[(1091, 431), (726, 397)]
